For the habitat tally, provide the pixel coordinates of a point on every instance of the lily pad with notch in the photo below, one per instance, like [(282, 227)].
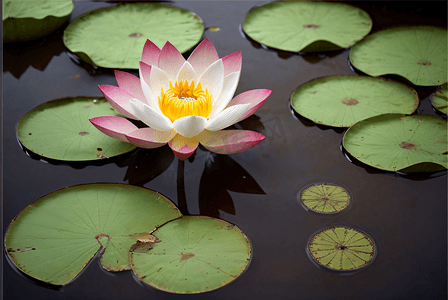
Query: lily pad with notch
[(113, 37), (341, 101), (440, 99), (54, 238), (192, 255), (307, 26), (394, 142), (417, 53), (31, 20), (60, 130), (325, 198), (342, 248)]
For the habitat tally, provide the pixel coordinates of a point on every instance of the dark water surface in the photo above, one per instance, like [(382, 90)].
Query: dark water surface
[(256, 190)]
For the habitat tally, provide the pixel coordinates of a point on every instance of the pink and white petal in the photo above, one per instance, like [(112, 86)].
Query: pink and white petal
[(150, 53), (170, 60), (190, 126), (118, 99), (255, 98), (227, 117), (203, 56), (150, 138), (157, 81), (145, 75), (150, 116), (229, 141), (213, 79), (183, 147), (186, 72), (115, 127), (130, 84), (228, 90), (232, 63), (144, 72)]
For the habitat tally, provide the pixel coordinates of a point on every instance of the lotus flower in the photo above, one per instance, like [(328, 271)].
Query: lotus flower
[(184, 102)]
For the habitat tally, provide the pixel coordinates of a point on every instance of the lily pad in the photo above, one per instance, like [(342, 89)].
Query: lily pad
[(418, 54), (30, 20), (307, 26), (325, 198), (55, 237), (342, 248), (393, 142), (113, 37), (60, 129), (341, 101), (192, 255), (440, 99)]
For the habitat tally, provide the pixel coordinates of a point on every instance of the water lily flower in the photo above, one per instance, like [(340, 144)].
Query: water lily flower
[(184, 102)]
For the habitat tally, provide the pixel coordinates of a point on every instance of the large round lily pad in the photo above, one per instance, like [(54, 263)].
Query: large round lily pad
[(394, 142), (418, 54), (60, 129), (342, 248), (54, 238), (325, 198), (440, 99), (113, 37), (341, 101), (29, 20), (192, 255), (307, 26)]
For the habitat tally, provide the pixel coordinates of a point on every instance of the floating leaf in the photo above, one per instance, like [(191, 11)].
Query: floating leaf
[(30, 20), (307, 26), (113, 37), (440, 99), (341, 101), (60, 129), (341, 248), (393, 142), (418, 54), (192, 255), (55, 237), (325, 198)]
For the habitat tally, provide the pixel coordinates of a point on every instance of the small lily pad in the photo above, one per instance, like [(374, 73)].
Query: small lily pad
[(325, 198), (54, 238), (113, 37), (307, 26), (341, 101), (30, 20), (192, 255), (393, 142), (440, 99), (418, 54), (60, 129), (342, 248)]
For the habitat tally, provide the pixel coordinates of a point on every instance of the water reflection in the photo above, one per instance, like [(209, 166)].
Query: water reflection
[(18, 57)]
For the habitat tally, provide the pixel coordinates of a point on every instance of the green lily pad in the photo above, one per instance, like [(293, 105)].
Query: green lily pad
[(341, 101), (307, 26), (30, 20), (440, 99), (342, 248), (418, 54), (325, 198), (60, 129), (192, 255), (394, 142), (113, 37), (55, 237)]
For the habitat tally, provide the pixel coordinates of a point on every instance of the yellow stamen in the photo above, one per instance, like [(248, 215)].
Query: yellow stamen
[(183, 100)]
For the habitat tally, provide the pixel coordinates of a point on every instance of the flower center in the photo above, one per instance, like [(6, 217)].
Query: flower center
[(182, 100)]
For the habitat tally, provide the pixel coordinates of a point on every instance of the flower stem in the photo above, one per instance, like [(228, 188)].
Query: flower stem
[(181, 196)]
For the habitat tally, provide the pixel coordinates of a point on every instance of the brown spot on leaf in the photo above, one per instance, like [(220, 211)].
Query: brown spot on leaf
[(186, 256), (406, 145), (350, 102), (445, 153), (99, 149), (314, 92), (135, 34), (30, 133), (83, 133), (311, 26), (27, 249), (325, 198), (11, 250), (67, 274), (424, 63), (87, 106), (402, 118)]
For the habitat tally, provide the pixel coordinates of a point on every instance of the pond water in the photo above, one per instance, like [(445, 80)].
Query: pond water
[(257, 190)]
